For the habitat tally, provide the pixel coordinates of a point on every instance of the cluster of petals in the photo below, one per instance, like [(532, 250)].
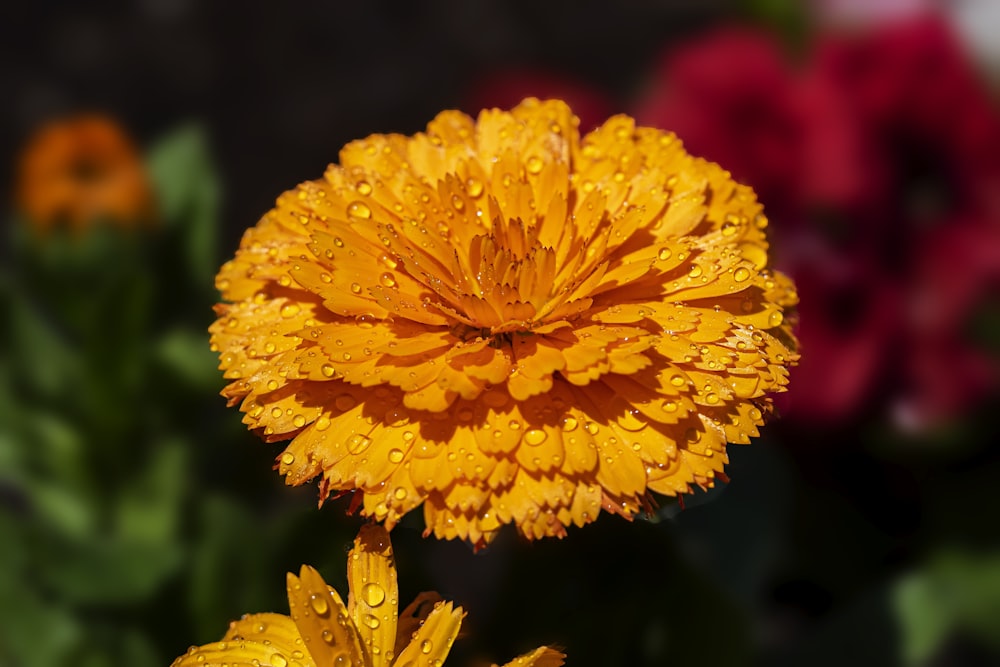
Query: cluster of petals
[(506, 322), (80, 170), (367, 631)]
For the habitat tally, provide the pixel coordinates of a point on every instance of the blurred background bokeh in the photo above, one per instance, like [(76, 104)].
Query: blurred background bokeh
[(138, 139)]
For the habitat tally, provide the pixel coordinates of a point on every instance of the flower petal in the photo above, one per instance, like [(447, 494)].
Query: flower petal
[(542, 656), (322, 619), (374, 600), (432, 641)]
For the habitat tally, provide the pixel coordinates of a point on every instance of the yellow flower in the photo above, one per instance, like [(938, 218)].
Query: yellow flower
[(368, 630), (79, 170), (507, 323)]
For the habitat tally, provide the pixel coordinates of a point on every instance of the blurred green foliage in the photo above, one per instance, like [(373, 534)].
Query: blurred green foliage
[(118, 508)]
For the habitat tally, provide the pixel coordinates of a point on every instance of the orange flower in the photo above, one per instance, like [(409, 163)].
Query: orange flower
[(79, 170), (507, 323), (366, 632)]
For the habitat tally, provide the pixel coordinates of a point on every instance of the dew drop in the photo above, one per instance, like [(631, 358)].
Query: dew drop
[(669, 406), (356, 288), (775, 319), (319, 604), (359, 209), (741, 274), (272, 385), (328, 637), (458, 203), (298, 421), (371, 621), (328, 370), (677, 380), (426, 646), (495, 398), (287, 458), (373, 593), (534, 164), (474, 187), (399, 493), (592, 428), (728, 229), (387, 280), (345, 402), (664, 254), (364, 188), (278, 660), (535, 437), (269, 348), (569, 424), (514, 425), (395, 455), (695, 271), (323, 423), (358, 443), (276, 412), (290, 310)]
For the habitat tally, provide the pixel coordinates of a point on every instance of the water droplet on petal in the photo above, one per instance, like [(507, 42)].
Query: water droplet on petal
[(359, 209), (474, 187), (373, 593), (328, 370), (741, 274), (775, 319), (534, 164), (345, 402), (426, 646), (535, 437), (395, 455), (288, 458), (319, 604), (358, 443)]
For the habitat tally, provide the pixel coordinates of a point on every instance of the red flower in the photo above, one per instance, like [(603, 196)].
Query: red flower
[(729, 96)]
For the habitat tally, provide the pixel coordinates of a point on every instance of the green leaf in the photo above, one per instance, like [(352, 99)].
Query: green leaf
[(958, 590), (186, 355), (187, 191), (924, 621)]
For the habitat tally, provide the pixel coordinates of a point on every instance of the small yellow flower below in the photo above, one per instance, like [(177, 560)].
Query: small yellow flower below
[(369, 630)]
